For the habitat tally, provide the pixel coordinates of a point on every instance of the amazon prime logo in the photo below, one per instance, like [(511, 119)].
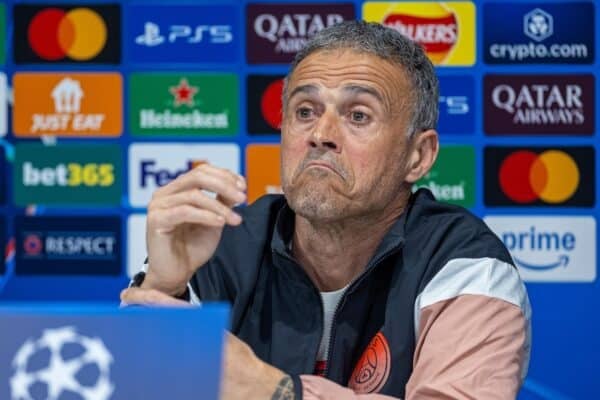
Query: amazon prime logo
[(549, 248)]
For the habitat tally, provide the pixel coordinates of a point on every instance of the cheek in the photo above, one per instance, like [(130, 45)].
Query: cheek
[(292, 152)]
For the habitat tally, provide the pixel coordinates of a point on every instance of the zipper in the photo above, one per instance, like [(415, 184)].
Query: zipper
[(352, 285)]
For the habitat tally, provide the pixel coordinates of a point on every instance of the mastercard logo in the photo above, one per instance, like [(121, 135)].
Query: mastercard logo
[(270, 104), (79, 34), (551, 176)]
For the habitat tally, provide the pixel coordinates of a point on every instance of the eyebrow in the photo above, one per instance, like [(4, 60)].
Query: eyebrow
[(357, 89), (308, 89)]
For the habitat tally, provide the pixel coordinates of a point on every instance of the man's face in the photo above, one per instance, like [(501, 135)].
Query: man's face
[(344, 135)]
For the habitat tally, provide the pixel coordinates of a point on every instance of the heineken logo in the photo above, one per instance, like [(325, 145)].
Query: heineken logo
[(183, 93), (452, 178), (190, 104)]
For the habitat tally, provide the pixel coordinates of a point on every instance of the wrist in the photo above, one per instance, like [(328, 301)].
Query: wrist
[(174, 288)]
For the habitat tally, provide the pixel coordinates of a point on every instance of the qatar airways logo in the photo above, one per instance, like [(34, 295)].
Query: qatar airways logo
[(550, 104), (276, 32), (549, 248)]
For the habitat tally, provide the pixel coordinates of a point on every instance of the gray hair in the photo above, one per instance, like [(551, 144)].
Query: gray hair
[(390, 45)]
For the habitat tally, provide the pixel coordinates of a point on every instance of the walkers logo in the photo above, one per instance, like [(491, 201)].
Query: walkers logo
[(69, 174), (136, 246), (3, 105), (540, 176), (275, 32), (452, 178), (154, 165), (68, 245), (182, 34), (183, 104), (445, 30), (264, 104), (457, 105), (262, 170), (2, 34), (541, 33), (539, 104), (80, 104), (549, 248), (67, 34)]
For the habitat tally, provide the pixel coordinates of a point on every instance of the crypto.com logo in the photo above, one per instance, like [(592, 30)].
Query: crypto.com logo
[(538, 25)]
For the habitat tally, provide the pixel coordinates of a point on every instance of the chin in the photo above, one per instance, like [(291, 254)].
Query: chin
[(313, 205)]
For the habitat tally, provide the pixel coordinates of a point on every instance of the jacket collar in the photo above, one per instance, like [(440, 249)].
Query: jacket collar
[(394, 238)]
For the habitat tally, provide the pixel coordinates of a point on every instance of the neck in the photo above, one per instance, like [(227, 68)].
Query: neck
[(334, 253)]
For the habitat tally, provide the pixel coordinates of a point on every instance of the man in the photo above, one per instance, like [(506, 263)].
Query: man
[(348, 286)]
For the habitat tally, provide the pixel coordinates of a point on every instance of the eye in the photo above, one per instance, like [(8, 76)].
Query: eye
[(304, 113), (359, 117)]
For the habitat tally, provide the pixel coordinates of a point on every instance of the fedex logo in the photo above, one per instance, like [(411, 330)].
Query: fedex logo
[(151, 173), (153, 165)]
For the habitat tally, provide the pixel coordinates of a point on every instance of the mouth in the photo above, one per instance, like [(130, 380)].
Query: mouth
[(321, 165)]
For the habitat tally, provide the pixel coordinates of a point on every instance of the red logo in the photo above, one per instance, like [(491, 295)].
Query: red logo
[(270, 104), (183, 93), (372, 370), (32, 245), (437, 35)]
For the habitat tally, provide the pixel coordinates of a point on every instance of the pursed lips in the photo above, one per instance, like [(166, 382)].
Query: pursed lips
[(322, 164)]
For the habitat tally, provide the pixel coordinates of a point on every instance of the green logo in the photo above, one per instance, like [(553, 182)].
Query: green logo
[(68, 174), (183, 104), (2, 33), (452, 178)]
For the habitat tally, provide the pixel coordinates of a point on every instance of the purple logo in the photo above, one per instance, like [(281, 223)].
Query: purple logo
[(275, 32), (539, 104)]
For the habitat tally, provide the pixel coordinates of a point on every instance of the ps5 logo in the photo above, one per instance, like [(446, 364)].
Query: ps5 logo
[(152, 36), (455, 105)]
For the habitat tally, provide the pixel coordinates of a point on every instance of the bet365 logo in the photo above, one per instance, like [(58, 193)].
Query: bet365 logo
[(71, 174), (80, 174)]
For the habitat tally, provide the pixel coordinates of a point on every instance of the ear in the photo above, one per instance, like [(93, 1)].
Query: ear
[(424, 148)]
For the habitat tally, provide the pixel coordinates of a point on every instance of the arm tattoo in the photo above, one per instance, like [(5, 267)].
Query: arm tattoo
[(284, 390)]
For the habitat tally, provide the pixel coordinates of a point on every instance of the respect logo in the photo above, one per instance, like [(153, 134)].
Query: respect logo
[(191, 104), (516, 33), (67, 33), (539, 176), (63, 245), (445, 30), (80, 104), (74, 175), (539, 104)]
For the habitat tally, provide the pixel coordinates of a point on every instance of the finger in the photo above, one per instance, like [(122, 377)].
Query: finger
[(207, 177), (199, 200), (165, 220), (150, 297)]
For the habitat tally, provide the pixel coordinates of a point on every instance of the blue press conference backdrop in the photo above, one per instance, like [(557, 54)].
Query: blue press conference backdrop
[(106, 101)]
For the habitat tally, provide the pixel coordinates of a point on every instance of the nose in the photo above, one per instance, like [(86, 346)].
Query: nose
[(326, 135)]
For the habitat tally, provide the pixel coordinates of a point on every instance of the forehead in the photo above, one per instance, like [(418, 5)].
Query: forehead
[(334, 69)]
